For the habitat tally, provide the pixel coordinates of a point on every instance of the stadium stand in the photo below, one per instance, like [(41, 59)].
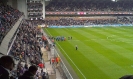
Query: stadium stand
[(92, 8), (67, 21), (26, 50), (91, 5), (8, 17), (8, 20), (26, 47)]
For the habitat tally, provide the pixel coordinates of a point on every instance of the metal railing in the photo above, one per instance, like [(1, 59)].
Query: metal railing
[(66, 73)]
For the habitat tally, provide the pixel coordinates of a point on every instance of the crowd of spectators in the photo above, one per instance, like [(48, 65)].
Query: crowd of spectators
[(79, 21), (26, 43), (8, 17), (92, 5), (69, 21), (26, 49), (125, 20)]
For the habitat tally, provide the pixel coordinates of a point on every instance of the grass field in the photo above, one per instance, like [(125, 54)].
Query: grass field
[(103, 52)]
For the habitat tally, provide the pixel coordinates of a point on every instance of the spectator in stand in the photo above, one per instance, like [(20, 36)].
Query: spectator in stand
[(30, 73), (6, 65)]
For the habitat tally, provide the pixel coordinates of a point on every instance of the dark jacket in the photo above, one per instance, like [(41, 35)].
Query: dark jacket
[(127, 77), (3, 73), (27, 75)]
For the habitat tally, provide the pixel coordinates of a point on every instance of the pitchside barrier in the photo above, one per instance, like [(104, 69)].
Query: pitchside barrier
[(60, 65), (86, 25)]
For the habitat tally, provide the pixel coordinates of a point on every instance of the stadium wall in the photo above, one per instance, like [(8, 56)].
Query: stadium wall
[(22, 6), (4, 1), (12, 3)]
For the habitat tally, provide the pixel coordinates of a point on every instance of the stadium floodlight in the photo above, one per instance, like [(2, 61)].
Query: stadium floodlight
[(114, 0)]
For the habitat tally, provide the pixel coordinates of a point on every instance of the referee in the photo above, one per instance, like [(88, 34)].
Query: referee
[(76, 47)]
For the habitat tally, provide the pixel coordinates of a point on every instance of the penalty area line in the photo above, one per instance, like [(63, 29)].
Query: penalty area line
[(69, 58)]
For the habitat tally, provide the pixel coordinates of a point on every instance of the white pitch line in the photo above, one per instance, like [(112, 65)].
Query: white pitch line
[(69, 58)]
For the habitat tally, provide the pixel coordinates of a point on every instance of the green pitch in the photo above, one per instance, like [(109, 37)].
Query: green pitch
[(103, 52)]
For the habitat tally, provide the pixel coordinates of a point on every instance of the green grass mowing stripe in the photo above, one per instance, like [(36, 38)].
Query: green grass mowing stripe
[(125, 32), (53, 32), (122, 44), (89, 67), (124, 29), (117, 31), (119, 48), (72, 59), (69, 58), (61, 33), (110, 44), (119, 39), (125, 42), (102, 40), (81, 45), (85, 68), (74, 56)]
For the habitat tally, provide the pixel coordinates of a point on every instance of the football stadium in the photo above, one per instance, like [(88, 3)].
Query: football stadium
[(66, 39)]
